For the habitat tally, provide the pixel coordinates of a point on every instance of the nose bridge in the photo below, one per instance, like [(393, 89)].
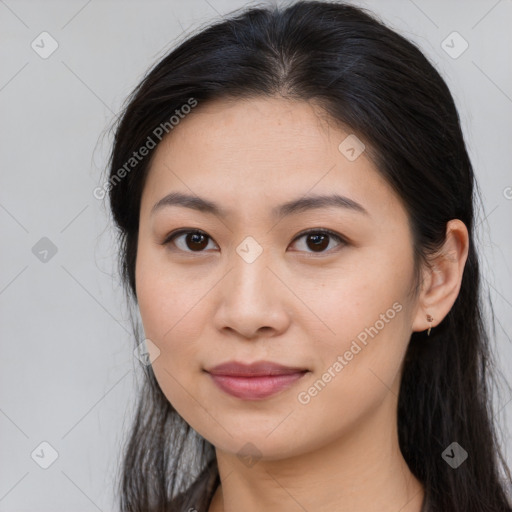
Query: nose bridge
[(250, 276), (250, 296)]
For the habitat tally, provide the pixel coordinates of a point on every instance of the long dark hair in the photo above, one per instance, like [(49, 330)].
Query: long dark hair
[(380, 85)]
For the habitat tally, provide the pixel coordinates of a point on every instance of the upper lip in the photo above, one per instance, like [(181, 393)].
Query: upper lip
[(258, 368)]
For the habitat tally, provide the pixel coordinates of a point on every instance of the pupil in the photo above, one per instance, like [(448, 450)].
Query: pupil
[(319, 241), (196, 239)]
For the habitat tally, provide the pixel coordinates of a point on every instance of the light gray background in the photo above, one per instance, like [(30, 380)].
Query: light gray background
[(68, 374)]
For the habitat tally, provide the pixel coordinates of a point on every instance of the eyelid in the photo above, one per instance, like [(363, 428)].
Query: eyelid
[(321, 231), (182, 231)]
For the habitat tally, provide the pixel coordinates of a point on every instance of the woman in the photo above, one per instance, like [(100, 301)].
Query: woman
[(294, 201)]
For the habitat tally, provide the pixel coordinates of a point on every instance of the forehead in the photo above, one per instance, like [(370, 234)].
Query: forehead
[(261, 151), (254, 124)]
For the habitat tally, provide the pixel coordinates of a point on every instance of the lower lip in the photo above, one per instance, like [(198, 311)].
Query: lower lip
[(255, 388)]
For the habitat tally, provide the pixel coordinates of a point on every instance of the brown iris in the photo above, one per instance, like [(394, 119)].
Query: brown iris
[(320, 241), (196, 241)]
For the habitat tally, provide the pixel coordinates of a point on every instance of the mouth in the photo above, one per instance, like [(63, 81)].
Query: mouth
[(255, 381)]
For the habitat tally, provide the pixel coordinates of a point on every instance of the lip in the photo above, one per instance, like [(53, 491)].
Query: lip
[(255, 381), (256, 369)]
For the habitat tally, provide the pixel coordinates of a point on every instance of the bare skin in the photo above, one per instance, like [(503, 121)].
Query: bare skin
[(202, 305)]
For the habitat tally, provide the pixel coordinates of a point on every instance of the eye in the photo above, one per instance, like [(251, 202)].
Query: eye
[(319, 240), (188, 240), (195, 240)]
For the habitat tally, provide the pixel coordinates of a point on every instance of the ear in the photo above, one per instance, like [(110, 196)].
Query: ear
[(442, 280)]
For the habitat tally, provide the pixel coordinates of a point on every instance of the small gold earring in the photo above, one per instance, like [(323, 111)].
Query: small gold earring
[(429, 319)]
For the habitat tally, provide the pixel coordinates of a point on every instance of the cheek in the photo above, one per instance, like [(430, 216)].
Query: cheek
[(173, 311), (171, 322), (166, 297), (357, 374), (346, 301), (368, 314)]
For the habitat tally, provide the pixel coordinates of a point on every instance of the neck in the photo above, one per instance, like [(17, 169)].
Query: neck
[(363, 470)]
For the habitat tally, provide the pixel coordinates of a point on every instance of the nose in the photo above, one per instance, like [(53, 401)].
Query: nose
[(252, 301)]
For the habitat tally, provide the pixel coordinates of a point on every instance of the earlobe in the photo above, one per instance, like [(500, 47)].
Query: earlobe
[(442, 280)]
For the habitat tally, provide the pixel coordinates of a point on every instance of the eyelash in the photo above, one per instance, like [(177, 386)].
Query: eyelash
[(342, 242)]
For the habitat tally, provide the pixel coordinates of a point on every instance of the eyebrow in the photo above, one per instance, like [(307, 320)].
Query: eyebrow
[(294, 206)]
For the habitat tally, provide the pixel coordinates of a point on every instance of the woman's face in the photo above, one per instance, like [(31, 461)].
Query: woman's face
[(257, 287)]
